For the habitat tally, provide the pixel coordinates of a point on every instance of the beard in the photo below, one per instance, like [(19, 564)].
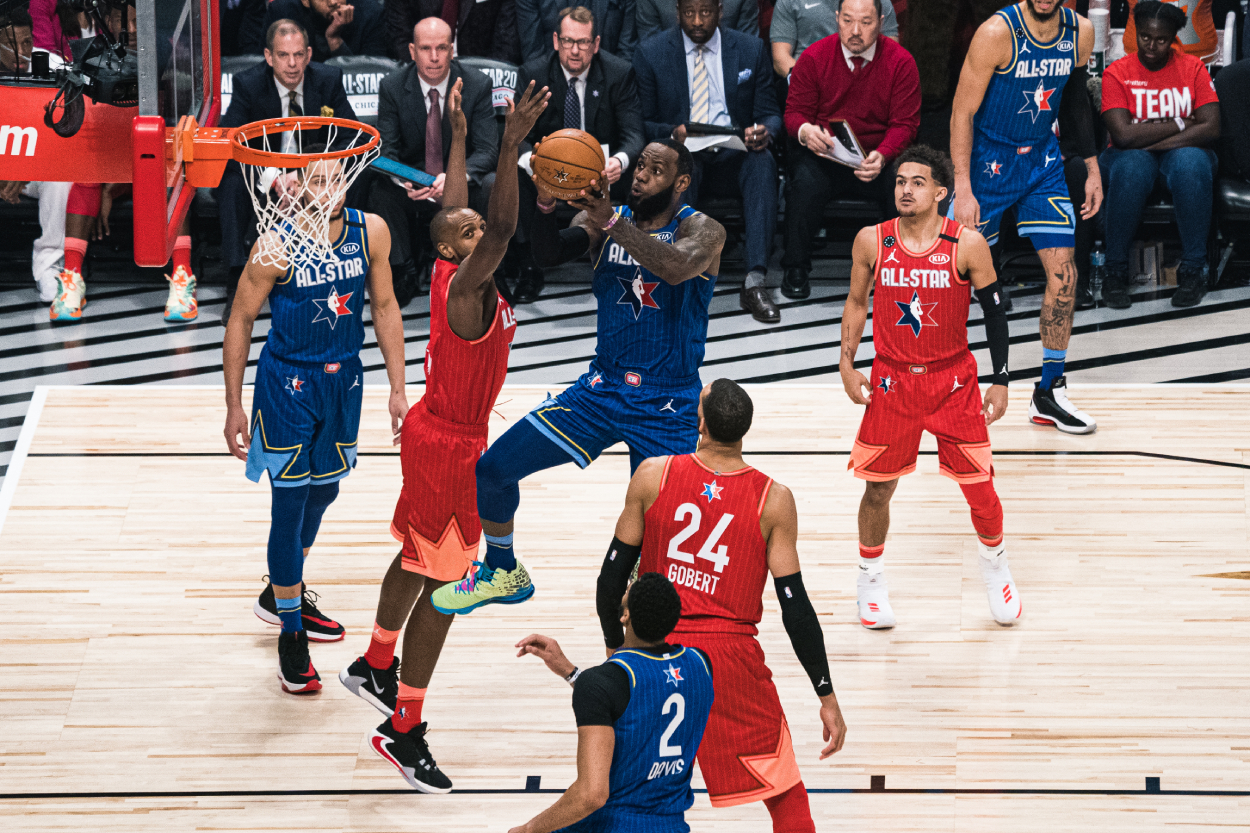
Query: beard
[(647, 208), (1043, 18)]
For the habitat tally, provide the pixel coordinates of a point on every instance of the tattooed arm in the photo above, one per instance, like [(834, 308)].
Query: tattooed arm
[(855, 314)]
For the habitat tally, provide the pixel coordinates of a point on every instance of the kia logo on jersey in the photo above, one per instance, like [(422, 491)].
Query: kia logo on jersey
[(350, 249), (939, 258)]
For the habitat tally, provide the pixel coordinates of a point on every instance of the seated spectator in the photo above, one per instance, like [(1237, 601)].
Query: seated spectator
[(55, 24), (479, 28), (16, 42), (615, 25), (287, 83), (412, 118), (242, 26), (708, 75), (592, 91), (873, 84), (797, 24), (1163, 117), (337, 28), (655, 16)]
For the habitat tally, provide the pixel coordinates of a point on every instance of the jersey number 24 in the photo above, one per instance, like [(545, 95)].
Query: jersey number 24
[(719, 556)]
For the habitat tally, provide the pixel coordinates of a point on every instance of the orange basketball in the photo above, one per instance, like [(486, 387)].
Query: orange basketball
[(566, 162)]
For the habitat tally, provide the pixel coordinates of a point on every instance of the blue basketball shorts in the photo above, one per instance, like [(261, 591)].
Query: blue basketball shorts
[(603, 408), (1029, 178), (305, 419)]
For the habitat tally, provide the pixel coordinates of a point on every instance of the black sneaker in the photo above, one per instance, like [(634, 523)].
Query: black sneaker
[(1115, 289), (295, 668), (379, 689), (410, 754), (1052, 407), (1192, 289), (318, 626)]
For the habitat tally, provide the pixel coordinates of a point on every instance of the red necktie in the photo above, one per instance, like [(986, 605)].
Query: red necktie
[(859, 64), (434, 137)]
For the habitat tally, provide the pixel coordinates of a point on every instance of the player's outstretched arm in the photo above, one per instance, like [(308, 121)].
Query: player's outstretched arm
[(456, 185), (624, 551), (780, 524), (589, 792), (974, 260), (990, 49), (388, 319), (255, 285), (855, 314)]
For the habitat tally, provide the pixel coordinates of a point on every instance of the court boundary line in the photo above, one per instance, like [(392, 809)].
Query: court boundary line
[(21, 451)]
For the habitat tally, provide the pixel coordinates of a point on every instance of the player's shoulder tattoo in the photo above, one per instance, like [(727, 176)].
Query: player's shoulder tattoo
[(705, 232)]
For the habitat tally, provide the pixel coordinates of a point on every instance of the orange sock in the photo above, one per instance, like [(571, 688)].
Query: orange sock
[(381, 648), (182, 253), (75, 253), (408, 708)]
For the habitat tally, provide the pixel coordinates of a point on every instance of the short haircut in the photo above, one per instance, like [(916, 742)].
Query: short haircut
[(876, 4), (18, 18), (1167, 14), (727, 410), (685, 162), (285, 26), (579, 14), (939, 164), (443, 223), (654, 607)]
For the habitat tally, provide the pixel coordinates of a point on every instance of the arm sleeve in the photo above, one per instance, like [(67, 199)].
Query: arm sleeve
[(799, 617), (601, 695), (997, 333), (614, 575), (1076, 119)]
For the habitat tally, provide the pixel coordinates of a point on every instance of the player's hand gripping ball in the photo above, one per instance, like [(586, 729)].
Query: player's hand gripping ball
[(566, 162)]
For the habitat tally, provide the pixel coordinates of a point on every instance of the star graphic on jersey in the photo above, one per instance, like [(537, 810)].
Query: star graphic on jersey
[(636, 294), (993, 168), (333, 307), (294, 384), (915, 314), (274, 462), (711, 491), (595, 380), (1038, 101), (672, 674), (886, 384)]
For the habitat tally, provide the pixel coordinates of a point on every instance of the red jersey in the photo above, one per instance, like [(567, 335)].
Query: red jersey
[(1182, 86), (703, 532), (920, 301), (463, 378)]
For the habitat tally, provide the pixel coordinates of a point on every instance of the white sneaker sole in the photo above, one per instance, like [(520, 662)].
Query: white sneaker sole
[(380, 748), (1036, 417), (272, 619), (356, 685)]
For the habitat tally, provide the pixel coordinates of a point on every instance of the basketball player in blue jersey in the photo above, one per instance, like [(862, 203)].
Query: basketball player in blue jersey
[(656, 261), (640, 719), (1025, 68), (307, 395)]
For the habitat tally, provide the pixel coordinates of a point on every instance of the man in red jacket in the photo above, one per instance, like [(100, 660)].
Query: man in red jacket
[(871, 83)]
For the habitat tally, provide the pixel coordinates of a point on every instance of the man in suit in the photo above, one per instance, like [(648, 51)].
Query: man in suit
[(615, 25), (287, 83), (592, 91), (337, 28), (413, 122), (708, 75), (480, 28), (655, 16)]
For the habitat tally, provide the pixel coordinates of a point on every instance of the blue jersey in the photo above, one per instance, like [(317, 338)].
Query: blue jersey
[(317, 304), (1022, 100), (646, 325)]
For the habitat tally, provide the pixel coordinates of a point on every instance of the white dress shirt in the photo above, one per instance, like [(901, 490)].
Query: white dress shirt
[(868, 54), (718, 107), (442, 93), (285, 97)]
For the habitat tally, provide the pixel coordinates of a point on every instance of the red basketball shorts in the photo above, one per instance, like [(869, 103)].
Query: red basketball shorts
[(746, 754), (942, 398), (436, 515)]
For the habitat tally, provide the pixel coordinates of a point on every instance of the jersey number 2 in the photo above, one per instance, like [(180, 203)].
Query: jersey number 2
[(719, 558), (667, 750)]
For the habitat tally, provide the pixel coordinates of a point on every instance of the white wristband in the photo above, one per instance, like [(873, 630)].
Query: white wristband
[(1180, 123), (571, 679)]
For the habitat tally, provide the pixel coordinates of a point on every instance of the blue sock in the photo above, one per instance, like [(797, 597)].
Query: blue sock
[(499, 554), (290, 614), (1052, 366)]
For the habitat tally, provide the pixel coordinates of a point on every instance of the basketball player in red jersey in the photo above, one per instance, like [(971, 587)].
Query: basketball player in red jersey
[(471, 331), (716, 527), (924, 377)]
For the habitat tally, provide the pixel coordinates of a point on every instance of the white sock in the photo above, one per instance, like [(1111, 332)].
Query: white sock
[(992, 553), (753, 279)]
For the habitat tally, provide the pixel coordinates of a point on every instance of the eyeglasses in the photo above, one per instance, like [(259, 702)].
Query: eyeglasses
[(569, 43)]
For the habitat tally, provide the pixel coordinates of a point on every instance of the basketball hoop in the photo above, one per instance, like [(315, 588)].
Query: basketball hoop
[(295, 191)]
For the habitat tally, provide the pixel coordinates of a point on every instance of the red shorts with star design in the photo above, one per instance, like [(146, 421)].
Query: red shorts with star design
[(942, 398), (436, 515)]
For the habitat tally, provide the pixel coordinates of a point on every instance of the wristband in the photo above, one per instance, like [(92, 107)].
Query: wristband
[(1180, 123), (572, 678), (615, 216), (546, 207)]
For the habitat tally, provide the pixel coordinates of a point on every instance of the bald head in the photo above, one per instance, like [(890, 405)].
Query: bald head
[(455, 233), (431, 49)]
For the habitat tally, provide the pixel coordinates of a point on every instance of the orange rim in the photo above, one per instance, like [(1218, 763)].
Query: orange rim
[(246, 155)]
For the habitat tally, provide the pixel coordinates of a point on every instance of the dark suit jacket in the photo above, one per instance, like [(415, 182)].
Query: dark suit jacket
[(655, 16), (365, 35), (255, 95), (613, 113), (615, 21), (401, 120), (484, 30), (664, 87)]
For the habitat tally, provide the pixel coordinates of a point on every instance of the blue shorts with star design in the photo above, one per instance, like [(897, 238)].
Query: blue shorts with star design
[(305, 419), (605, 407), (1029, 178)]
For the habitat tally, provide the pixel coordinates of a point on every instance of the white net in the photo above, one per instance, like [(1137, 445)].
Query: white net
[(295, 205)]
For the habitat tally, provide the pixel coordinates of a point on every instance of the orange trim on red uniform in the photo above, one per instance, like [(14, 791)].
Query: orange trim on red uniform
[(981, 458), (701, 465), (768, 487), (445, 560), (898, 240), (668, 462), (863, 455), (776, 772)]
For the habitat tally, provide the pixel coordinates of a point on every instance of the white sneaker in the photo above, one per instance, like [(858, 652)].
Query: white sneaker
[(49, 287), (1053, 407), (1005, 605), (874, 601)]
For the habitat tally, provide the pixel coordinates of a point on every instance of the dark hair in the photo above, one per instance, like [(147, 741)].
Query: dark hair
[(580, 14), (18, 18), (654, 607), (727, 410), (285, 26), (876, 4), (685, 162), (442, 223), (939, 164), (1169, 15)]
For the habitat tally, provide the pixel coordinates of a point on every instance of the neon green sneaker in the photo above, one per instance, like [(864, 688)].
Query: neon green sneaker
[(484, 586)]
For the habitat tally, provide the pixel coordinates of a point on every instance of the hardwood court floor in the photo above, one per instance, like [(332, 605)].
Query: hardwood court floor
[(137, 687)]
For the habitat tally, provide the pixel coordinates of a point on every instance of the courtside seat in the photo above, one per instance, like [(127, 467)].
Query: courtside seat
[(1232, 201), (503, 79), (361, 76)]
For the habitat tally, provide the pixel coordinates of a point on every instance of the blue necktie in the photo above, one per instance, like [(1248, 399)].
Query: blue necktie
[(572, 107)]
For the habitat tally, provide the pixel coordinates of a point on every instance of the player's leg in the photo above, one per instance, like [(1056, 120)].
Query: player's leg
[(82, 207), (791, 812), (1190, 175), (872, 592), (658, 422)]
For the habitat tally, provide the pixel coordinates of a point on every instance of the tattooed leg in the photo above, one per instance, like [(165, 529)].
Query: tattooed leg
[(1060, 299)]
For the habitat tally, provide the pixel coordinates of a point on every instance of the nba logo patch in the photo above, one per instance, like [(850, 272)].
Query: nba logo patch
[(333, 367), (888, 241), (633, 379)]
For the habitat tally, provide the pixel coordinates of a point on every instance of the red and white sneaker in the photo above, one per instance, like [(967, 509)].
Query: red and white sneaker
[(318, 626), (874, 601), (295, 668), (1005, 604)]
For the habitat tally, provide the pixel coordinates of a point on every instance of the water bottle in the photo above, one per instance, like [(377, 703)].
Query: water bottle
[(1098, 268)]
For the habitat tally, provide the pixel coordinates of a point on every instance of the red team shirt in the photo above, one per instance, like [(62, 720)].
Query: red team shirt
[(1182, 86)]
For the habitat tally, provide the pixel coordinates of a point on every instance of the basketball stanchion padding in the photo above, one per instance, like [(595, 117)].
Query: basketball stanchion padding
[(566, 162)]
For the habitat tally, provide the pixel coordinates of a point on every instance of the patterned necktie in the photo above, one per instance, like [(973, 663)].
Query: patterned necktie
[(572, 106), (434, 137), (859, 64), (700, 97), (290, 143), (293, 108)]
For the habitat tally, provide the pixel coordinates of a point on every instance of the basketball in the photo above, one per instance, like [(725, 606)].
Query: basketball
[(566, 162)]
